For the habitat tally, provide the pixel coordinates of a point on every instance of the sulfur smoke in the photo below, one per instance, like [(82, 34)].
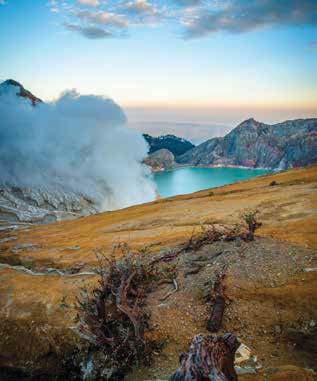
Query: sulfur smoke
[(78, 143)]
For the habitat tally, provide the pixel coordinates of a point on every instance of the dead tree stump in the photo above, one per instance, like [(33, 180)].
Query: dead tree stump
[(219, 304), (209, 358)]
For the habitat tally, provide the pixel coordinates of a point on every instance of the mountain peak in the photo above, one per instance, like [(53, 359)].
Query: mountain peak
[(22, 91), (250, 121)]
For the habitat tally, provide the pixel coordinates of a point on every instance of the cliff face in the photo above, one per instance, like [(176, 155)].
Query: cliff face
[(174, 144), (254, 144), (161, 159)]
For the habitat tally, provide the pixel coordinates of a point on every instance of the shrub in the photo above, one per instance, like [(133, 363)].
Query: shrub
[(112, 318), (250, 218)]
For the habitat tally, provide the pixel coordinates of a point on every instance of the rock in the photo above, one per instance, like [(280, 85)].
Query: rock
[(177, 146), (24, 247), (8, 239), (310, 269), (278, 329), (22, 91), (73, 248), (245, 370), (161, 159), (42, 205), (243, 354), (255, 144)]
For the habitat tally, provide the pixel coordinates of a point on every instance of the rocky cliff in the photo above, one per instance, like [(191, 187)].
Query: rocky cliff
[(160, 160), (178, 146), (254, 144)]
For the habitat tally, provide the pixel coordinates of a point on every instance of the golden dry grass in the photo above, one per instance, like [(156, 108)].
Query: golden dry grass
[(288, 212)]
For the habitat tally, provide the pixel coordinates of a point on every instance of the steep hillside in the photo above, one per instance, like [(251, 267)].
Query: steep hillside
[(254, 144), (270, 282), (160, 160), (174, 144)]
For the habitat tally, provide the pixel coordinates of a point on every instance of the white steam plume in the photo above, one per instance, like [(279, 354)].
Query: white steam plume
[(79, 143)]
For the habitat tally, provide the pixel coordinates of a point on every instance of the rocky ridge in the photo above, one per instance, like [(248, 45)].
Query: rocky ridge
[(174, 144), (22, 91), (258, 145)]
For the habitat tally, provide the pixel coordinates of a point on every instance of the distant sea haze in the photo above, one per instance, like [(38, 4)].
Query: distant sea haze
[(195, 132), (200, 123)]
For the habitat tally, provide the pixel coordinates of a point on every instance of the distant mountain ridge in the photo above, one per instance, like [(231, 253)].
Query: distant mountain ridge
[(178, 146), (254, 144), (22, 91)]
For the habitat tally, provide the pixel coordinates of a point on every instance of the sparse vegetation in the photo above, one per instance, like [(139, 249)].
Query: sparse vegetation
[(250, 218), (112, 318)]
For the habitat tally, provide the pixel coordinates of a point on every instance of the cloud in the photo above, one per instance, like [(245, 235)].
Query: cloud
[(91, 32), (2, 2), (194, 18), (78, 143), (239, 16), (139, 7), (103, 18), (91, 3), (188, 3), (142, 12)]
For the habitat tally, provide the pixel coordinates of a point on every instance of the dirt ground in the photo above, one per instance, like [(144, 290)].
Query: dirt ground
[(271, 283), (272, 304)]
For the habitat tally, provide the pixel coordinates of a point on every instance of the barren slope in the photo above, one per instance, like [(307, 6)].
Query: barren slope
[(287, 210), (271, 282)]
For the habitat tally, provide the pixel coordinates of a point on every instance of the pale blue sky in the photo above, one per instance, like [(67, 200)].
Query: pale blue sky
[(159, 64)]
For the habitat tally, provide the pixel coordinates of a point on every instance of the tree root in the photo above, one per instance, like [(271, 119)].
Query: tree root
[(219, 303), (171, 292), (209, 358)]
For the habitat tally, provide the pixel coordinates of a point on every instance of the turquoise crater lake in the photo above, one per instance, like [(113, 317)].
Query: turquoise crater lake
[(192, 179)]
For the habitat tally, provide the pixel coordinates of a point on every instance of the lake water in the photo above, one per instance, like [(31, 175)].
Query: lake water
[(189, 179)]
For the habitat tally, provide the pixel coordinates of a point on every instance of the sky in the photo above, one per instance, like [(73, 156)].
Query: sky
[(195, 68)]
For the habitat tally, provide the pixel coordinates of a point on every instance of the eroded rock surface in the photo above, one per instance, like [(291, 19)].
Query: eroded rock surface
[(254, 144), (41, 205), (160, 160)]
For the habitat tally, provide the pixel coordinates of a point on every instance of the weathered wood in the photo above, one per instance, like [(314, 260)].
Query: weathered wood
[(215, 320), (218, 298), (209, 358)]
